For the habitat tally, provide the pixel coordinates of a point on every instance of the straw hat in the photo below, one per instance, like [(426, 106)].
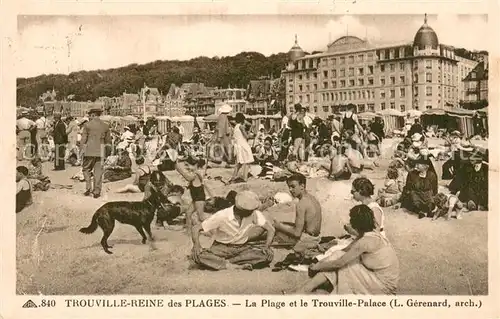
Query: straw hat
[(247, 200), (417, 137), (226, 108)]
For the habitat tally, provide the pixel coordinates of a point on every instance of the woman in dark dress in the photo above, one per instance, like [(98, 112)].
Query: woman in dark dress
[(23, 189), (420, 188)]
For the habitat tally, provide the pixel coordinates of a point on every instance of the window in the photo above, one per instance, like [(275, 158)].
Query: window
[(315, 109), (351, 59), (393, 80), (428, 91), (361, 71), (311, 64), (308, 98), (393, 67), (473, 75), (307, 76), (428, 64), (300, 77), (351, 82), (402, 92), (382, 81), (315, 74), (370, 56), (331, 96), (334, 73), (307, 88), (393, 106), (415, 78), (325, 74), (303, 64), (364, 94), (342, 72), (315, 97), (401, 66), (325, 108), (370, 81), (334, 61), (351, 71), (325, 85), (300, 87), (371, 107), (342, 83), (361, 82), (393, 94), (350, 96), (336, 97), (382, 106), (370, 69), (428, 106), (382, 94), (315, 87), (332, 108), (396, 53), (428, 77), (361, 58), (300, 98), (382, 68), (334, 84), (342, 60), (402, 79), (415, 64), (402, 108)]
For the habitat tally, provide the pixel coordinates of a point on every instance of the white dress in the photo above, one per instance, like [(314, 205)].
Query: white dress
[(242, 149)]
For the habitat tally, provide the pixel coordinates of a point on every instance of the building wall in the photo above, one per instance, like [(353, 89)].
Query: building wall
[(375, 79)]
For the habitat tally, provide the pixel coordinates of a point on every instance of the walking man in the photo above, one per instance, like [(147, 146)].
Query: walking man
[(96, 141), (60, 141)]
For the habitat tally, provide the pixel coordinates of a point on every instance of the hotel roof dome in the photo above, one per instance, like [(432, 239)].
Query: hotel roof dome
[(296, 51), (425, 37)]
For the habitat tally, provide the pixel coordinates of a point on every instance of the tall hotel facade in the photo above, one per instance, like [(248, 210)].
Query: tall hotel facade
[(419, 75)]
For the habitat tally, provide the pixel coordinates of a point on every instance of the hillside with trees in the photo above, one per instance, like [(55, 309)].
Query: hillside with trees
[(236, 71)]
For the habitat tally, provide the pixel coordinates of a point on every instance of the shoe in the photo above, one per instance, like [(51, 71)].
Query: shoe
[(87, 193), (97, 195)]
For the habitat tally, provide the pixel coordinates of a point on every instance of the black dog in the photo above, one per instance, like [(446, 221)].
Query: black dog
[(216, 203), (138, 214)]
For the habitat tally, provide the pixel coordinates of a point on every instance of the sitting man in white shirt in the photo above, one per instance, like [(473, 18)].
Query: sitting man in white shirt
[(236, 232)]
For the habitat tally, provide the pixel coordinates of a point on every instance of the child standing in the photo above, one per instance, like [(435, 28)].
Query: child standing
[(242, 150)]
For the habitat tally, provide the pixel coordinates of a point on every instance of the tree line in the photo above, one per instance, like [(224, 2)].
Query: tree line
[(234, 71)]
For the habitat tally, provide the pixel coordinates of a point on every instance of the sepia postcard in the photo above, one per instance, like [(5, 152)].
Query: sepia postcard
[(236, 159)]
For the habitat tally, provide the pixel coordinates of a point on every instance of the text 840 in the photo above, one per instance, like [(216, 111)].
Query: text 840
[(48, 303)]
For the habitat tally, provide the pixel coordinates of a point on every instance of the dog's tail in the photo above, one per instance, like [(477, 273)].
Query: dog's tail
[(92, 227)]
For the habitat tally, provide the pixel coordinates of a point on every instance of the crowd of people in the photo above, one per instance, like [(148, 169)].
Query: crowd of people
[(361, 262)]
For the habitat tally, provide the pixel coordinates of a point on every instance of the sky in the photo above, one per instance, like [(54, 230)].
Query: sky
[(102, 42)]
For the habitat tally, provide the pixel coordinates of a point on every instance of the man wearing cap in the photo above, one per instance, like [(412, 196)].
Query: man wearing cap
[(23, 127), (96, 141), (223, 132), (235, 230), (60, 141)]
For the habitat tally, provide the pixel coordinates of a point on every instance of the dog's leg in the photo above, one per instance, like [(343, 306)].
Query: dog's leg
[(141, 231), (107, 229), (147, 227)]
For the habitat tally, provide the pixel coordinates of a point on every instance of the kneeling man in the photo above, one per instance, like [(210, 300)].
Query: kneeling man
[(235, 231), (304, 233)]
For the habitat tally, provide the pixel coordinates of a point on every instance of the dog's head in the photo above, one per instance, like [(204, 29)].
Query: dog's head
[(440, 200), (168, 211)]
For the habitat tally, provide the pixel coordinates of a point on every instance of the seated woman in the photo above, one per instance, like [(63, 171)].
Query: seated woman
[(23, 189), (122, 169), (142, 175), (471, 183), (267, 153), (391, 192), (420, 188), (458, 150), (36, 178), (368, 266)]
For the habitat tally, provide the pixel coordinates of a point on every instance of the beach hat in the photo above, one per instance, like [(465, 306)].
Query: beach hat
[(456, 133), (247, 200), (226, 108), (416, 137), (126, 128)]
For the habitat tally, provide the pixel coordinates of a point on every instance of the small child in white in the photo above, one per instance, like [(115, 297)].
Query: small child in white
[(446, 204)]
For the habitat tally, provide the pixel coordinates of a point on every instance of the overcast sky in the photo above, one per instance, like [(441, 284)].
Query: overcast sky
[(101, 42)]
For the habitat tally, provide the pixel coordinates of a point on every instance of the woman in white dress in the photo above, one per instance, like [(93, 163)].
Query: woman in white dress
[(242, 150)]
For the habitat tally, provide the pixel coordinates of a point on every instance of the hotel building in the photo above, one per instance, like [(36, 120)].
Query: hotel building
[(420, 75)]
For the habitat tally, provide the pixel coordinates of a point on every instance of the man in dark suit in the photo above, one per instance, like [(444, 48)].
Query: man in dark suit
[(96, 141), (60, 141)]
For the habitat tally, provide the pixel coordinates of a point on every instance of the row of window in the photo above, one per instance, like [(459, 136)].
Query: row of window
[(370, 107)]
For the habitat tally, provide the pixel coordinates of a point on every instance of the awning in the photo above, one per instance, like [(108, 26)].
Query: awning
[(392, 112), (211, 118), (414, 113), (434, 112), (460, 112), (367, 115)]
